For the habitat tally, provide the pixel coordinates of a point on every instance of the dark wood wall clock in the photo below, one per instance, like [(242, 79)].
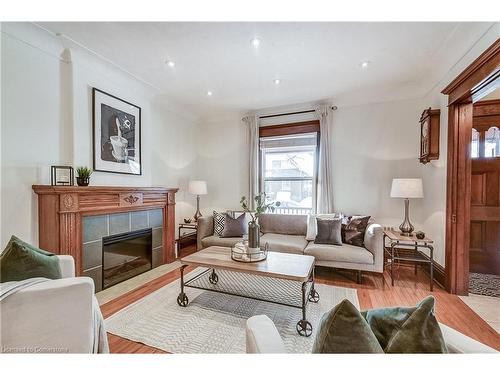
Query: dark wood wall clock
[(429, 135)]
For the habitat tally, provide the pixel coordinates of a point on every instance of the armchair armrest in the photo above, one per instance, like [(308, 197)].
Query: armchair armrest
[(374, 243), (52, 316), (205, 229), (67, 265), (457, 342), (262, 336)]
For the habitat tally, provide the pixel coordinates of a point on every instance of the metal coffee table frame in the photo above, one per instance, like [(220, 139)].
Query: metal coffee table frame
[(304, 327)]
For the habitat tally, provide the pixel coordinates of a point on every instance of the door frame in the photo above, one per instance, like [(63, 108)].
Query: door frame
[(467, 87)]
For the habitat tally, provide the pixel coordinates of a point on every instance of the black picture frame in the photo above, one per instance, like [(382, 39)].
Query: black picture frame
[(55, 171), (128, 125)]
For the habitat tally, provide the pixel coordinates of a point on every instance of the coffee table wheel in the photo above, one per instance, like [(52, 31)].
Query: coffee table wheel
[(182, 300), (304, 328), (213, 278), (313, 296)]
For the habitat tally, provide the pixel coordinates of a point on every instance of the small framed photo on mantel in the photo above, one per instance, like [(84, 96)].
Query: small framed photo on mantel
[(117, 134)]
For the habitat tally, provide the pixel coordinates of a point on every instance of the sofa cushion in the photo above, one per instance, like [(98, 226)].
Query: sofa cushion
[(312, 228), (21, 261), (234, 227), (328, 232), (219, 221), (284, 243), (345, 253), (219, 241), (344, 330), (283, 224), (353, 229), (407, 329)]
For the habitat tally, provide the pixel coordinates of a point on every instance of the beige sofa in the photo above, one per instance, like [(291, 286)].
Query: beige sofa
[(287, 233), (263, 337)]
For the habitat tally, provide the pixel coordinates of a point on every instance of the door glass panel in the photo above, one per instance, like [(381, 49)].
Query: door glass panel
[(474, 149), (492, 143)]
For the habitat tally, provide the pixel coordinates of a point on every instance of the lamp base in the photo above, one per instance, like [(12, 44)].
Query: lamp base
[(197, 214), (406, 227)]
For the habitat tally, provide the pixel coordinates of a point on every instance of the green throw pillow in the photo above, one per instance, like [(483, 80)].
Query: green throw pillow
[(344, 330), (21, 261), (407, 329)]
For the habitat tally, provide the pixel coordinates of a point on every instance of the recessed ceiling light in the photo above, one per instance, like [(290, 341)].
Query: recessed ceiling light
[(255, 42), (170, 63), (209, 93), (277, 81), (365, 64)]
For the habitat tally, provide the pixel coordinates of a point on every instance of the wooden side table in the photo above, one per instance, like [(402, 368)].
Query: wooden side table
[(409, 249), (185, 232)]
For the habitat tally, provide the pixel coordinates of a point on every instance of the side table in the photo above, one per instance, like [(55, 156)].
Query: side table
[(409, 249), (185, 232)]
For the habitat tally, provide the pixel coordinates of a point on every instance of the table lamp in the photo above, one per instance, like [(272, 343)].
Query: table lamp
[(407, 188), (197, 188)]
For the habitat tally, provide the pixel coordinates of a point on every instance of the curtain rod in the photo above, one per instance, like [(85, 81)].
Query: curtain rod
[(334, 108)]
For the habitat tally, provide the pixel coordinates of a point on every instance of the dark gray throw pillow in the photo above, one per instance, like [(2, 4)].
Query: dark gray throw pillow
[(233, 227), (329, 231)]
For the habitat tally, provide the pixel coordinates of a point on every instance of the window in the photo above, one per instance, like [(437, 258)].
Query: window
[(474, 150), (288, 167)]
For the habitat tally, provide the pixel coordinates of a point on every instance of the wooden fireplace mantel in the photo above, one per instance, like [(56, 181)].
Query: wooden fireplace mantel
[(61, 208)]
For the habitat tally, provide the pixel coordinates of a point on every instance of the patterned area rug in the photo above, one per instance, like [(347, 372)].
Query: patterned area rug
[(215, 322), (484, 284)]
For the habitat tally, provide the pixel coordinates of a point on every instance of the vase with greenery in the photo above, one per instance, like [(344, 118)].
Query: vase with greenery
[(83, 176), (261, 206)]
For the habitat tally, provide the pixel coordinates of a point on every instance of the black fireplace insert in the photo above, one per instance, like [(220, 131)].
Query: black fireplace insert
[(126, 255)]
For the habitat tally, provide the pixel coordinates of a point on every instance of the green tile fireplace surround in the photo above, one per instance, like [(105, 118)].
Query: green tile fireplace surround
[(95, 228)]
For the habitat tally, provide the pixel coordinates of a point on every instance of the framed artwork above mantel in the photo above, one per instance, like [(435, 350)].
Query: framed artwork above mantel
[(117, 134), (429, 135)]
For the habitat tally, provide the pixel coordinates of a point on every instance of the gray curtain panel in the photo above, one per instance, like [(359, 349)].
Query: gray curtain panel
[(324, 199), (253, 157)]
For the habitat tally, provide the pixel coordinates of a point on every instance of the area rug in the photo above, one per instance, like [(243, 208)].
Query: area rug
[(214, 322), (484, 284)]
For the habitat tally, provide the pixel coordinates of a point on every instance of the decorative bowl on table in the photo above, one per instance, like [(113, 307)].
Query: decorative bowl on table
[(240, 252)]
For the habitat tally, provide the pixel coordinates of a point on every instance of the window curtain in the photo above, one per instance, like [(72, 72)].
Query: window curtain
[(252, 123), (324, 201)]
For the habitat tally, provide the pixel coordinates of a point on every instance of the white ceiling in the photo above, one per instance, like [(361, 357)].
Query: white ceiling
[(315, 61)]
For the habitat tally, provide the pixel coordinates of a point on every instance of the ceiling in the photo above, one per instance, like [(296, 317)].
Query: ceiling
[(314, 61)]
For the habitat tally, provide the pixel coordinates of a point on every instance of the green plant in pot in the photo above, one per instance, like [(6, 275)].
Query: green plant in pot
[(83, 176), (261, 206)]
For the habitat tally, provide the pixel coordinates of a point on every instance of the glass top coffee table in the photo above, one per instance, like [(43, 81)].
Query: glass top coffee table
[(284, 279)]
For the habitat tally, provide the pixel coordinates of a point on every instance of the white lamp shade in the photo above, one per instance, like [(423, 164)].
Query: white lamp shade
[(407, 188), (197, 187)]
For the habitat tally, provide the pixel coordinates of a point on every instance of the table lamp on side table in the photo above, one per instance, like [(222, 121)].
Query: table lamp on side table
[(407, 188), (197, 188)]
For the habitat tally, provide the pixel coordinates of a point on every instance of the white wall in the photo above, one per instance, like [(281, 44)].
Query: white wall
[(46, 120)]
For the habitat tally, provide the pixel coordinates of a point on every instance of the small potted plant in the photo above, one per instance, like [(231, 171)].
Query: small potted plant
[(83, 176), (253, 225)]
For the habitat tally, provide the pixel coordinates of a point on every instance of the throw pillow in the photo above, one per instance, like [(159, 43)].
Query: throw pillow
[(235, 214), (21, 261), (353, 230), (312, 228), (329, 231), (219, 220), (407, 329), (234, 227), (344, 330)]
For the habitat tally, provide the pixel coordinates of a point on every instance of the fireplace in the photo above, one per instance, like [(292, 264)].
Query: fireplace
[(126, 255)]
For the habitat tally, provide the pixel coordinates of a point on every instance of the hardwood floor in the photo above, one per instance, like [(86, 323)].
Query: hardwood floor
[(376, 291)]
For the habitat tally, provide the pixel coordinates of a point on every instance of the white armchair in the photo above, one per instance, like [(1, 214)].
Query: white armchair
[(54, 316), (263, 337)]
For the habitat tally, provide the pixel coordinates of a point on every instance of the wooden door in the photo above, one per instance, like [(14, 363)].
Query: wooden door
[(484, 252)]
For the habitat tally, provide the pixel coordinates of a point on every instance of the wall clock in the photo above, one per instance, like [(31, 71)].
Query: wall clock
[(429, 135)]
